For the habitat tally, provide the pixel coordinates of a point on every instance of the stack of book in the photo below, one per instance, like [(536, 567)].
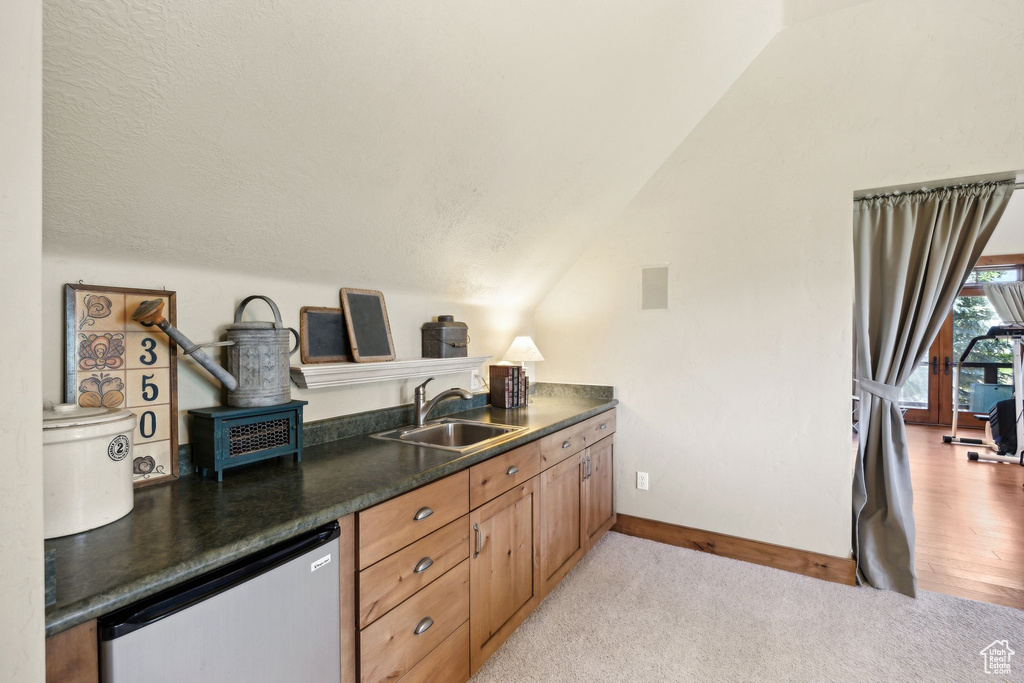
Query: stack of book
[(510, 387)]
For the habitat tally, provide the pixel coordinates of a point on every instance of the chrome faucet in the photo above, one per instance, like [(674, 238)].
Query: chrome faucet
[(423, 406)]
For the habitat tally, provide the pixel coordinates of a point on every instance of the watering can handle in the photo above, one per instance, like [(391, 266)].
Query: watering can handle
[(296, 347), (277, 314)]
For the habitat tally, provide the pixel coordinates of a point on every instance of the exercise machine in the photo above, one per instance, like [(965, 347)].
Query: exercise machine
[(1014, 334), (1004, 419)]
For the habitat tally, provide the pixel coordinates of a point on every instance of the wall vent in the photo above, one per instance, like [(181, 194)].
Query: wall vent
[(654, 288)]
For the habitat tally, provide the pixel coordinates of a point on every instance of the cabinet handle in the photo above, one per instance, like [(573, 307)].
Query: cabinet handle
[(425, 623), (604, 425), (422, 513), (512, 470), (590, 466), (566, 444), (479, 540), (422, 566)]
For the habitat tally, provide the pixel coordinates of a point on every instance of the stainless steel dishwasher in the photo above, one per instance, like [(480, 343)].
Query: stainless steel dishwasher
[(273, 616)]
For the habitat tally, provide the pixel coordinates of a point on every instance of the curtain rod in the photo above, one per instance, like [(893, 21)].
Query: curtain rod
[(1016, 186)]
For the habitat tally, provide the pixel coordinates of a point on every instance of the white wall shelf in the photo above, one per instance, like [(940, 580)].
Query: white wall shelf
[(318, 375)]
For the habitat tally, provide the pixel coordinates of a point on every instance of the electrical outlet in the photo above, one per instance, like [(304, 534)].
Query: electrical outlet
[(641, 481)]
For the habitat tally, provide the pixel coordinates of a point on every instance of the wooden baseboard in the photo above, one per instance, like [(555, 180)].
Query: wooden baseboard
[(816, 565)]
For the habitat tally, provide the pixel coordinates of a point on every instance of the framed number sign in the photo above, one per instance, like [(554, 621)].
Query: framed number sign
[(112, 361)]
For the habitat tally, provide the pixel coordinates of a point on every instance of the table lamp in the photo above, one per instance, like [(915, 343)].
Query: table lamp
[(523, 349)]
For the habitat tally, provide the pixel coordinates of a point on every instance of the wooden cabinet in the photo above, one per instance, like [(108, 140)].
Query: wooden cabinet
[(429, 592), (72, 656), (502, 473), (504, 574), (447, 663), (396, 523), (394, 644), (599, 490), (386, 584), (413, 579), (563, 542), (569, 441), (577, 504)]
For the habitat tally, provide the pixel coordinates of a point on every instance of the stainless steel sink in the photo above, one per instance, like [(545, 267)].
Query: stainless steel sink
[(451, 434)]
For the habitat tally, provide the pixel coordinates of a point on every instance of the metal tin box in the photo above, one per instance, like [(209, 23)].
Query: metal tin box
[(446, 338)]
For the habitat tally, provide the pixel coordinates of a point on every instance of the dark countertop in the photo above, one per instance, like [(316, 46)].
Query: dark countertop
[(194, 525)]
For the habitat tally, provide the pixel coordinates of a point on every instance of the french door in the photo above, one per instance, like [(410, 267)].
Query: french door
[(986, 374)]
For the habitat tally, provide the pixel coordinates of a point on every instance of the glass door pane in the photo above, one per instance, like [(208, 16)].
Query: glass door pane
[(921, 392), (915, 391), (989, 368)]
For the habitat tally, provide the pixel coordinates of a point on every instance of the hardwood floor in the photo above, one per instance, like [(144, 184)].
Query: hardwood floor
[(970, 521)]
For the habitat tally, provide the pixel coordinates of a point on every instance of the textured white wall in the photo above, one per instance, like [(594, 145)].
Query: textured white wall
[(455, 155), (462, 148), (736, 401), (795, 11), (206, 302), (21, 472)]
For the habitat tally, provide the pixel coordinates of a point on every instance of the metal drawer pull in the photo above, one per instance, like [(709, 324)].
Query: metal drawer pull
[(425, 623), (479, 540), (422, 513), (512, 470), (422, 566), (604, 426), (566, 444)]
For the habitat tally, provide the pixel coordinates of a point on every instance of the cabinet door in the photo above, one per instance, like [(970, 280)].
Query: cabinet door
[(599, 486), (562, 540), (504, 574)]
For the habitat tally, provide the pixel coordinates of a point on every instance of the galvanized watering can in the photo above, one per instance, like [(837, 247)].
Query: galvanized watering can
[(258, 352)]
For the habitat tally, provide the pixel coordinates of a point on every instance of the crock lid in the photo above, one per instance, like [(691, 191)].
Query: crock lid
[(71, 415)]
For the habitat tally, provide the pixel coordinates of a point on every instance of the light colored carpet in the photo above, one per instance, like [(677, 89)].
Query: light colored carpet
[(636, 610)]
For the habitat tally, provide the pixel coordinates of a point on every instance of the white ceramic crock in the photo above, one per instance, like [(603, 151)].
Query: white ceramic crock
[(87, 467)]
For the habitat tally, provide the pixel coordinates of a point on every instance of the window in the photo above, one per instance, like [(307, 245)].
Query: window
[(928, 395)]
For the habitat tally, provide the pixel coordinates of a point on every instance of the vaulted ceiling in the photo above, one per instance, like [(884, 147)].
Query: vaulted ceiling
[(467, 148)]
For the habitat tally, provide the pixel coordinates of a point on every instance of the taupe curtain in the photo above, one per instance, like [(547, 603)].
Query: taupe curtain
[(1008, 300), (912, 254)]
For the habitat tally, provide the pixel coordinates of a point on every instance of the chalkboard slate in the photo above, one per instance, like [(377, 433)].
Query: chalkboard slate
[(368, 330), (323, 335)]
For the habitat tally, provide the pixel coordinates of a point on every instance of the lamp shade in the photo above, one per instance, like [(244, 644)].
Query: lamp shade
[(523, 349)]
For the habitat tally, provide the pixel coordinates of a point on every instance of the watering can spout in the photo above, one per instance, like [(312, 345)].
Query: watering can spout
[(152, 313)]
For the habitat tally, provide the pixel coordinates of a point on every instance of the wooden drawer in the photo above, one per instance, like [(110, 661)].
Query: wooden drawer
[(389, 647), (598, 427), (392, 525), (493, 477), (448, 663), (386, 584), (554, 448)]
